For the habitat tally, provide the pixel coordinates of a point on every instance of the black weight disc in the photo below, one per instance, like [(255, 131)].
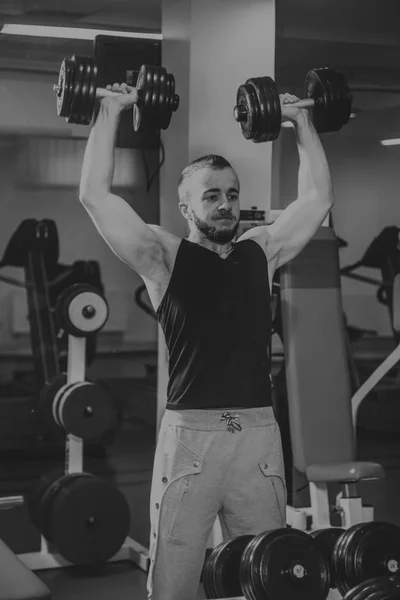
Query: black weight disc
[(246, 103), (326, 540), (88, 90), (332, 98), (86, 410), (46, 400), (89, 520), (162, 98), (79, 73), (208, 572), (373, 588), (65, 87), (369, 550), (141, 112), (266, 94), (46, 504), (33, 499), (286, 563), (245, 572), (172, 103), (155, 108), (340, 558), (84, 100), (207, 576), (227, 566)]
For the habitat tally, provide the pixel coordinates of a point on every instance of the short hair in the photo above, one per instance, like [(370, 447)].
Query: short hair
[(212, 161)]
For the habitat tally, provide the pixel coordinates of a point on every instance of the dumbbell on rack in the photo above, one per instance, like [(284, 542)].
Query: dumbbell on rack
[(79, 407), (288, 563), (77, 92), (258, 107), (282, 563)]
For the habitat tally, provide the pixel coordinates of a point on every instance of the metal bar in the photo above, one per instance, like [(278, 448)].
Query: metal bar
[(11, 502)]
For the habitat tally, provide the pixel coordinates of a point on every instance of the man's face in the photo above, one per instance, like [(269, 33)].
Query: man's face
[(213, 206)]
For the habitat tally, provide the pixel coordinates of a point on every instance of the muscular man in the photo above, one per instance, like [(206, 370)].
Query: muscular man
[(219, 447)]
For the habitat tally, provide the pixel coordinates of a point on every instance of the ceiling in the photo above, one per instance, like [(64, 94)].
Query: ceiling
[(361, 38)]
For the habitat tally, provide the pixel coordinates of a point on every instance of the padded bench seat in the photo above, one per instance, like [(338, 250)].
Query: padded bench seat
[(345, 472), (17, 582)]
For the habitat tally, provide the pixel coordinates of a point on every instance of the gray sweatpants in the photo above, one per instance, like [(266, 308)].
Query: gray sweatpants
[(201, 470)]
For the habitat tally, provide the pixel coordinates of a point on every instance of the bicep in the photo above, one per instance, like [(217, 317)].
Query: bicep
[(295, 227), (128, 236)]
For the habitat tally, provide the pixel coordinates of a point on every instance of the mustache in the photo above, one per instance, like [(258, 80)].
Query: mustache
[(225, 216)]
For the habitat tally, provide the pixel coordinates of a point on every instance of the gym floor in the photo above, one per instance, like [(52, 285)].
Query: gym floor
[(127, 460)]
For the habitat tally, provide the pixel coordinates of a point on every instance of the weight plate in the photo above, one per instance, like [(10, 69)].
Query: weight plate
[(372, 587), (83, 105), (46, 401), (340, 558), (79, 71), (64, 87), (326, 540), (245, 574), (85, 410), (274, 115), (246, 111), (226, 579), (172, 103), (367, 550), (81, 310), (284, 563), (262, 103), (88, 90), (34, 496), (46, 503), (155, 108), (208, 572), (144, 85), (89, 520), (332, 98)]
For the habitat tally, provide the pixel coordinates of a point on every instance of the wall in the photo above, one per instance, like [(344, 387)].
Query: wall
[(366, 180), (25, 194)]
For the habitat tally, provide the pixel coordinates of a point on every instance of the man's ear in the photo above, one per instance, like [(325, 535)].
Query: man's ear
[(184, 208)]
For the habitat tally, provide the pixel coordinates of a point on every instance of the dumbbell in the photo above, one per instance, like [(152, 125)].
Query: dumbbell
[(282, 563), (258, 107), (364, 551), (77, 92), (326, 540)]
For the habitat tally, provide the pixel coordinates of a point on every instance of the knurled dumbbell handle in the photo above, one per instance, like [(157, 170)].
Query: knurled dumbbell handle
[(306, 103), (100, 92)]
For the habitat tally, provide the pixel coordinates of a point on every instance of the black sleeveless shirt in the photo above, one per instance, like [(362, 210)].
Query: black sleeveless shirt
[(216, 318)]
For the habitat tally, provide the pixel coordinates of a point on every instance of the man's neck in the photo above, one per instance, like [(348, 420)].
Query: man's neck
[(221, 249)]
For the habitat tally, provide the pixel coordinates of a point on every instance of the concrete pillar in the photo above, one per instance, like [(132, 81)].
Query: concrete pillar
[(212, 47)]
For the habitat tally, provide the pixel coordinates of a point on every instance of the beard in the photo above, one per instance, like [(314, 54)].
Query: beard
[(218, 236)]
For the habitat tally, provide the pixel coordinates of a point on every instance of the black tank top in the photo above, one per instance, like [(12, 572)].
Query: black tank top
[(216, 318)]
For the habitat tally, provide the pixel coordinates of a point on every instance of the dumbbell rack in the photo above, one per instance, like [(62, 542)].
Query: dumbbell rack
[(47, 557)]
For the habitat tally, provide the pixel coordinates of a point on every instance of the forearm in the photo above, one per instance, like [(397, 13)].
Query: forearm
[(98, 163), (314, 175)]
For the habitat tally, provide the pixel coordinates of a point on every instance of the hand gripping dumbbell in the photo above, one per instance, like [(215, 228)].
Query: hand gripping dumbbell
[(77, 92), (258, 107)]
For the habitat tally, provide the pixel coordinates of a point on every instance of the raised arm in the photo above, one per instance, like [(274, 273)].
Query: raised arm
[(130, 238), (297, 224)]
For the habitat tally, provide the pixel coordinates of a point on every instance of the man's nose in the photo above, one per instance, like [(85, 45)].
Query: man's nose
[(225, 204)]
